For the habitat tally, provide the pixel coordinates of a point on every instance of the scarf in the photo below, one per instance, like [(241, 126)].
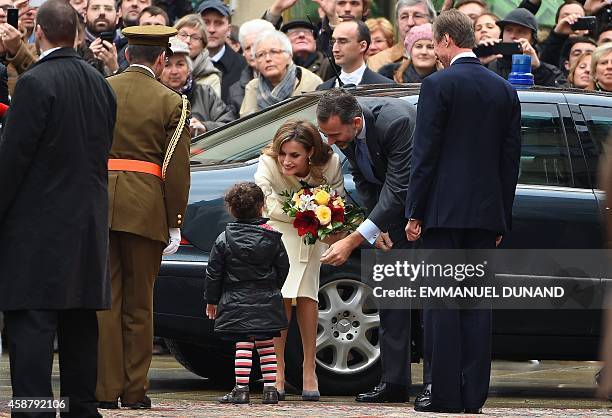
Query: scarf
[(411, 76), (186, 89), (268, 96), (203, 65)]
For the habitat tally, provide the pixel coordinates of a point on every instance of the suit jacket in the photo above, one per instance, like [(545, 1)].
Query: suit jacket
[(467, 148), (53, 177), (231, 65), (147, 115), (389, 126), (369, 77)]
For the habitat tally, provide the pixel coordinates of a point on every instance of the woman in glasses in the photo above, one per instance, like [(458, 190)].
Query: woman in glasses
[(191, 30), (278, 77)]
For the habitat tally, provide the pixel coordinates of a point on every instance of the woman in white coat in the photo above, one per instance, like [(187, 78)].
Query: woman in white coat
[(298, 154)]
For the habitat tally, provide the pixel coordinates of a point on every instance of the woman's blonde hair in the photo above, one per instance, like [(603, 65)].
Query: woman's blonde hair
[(193, 21), (382, 24), (306, 134), (572, 71), (599, 53)]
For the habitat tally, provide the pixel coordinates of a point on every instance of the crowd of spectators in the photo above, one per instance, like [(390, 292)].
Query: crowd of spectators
[(228, 71)]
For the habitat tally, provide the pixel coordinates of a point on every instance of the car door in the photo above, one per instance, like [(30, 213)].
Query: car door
[(554, 208), (594, 120)]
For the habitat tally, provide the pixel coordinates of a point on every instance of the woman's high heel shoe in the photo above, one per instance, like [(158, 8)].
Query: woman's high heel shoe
[(281, 395), (311, 395)]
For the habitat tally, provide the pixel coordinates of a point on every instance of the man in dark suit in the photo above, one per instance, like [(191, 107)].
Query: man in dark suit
[(464, 172), (376, 136), (351, 40), (216, 16), (54, 216)]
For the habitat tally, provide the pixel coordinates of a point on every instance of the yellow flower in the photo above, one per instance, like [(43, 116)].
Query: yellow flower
[(321, 197), (323, 214), (296, 196)]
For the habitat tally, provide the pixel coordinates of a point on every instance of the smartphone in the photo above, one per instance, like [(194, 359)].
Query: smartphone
[(502, 48), (36, 3), (107, 36), (585, 23), (12, 17)]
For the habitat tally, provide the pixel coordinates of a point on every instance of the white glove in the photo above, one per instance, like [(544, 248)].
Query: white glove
[(175, 241)]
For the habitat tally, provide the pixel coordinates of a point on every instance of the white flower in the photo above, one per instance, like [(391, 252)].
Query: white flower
[(307, 202)]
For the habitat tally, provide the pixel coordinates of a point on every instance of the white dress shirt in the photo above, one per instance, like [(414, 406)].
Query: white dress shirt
[(367, 229), (354, 77), (218, 55), (467, 54), (47, 52), (145, 67)]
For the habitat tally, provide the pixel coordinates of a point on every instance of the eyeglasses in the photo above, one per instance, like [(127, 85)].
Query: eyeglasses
[(193, 37), (274, 53)]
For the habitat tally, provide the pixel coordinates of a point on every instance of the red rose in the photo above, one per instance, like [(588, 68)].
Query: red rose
[(337, 214), (306, 222)]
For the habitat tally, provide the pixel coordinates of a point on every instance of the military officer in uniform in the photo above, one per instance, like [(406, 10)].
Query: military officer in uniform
[(148, 182)]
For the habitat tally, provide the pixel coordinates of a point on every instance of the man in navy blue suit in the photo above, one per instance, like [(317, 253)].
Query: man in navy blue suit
[(465, 165)]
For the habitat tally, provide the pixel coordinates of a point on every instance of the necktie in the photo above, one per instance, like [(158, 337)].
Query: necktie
[(363, 161)]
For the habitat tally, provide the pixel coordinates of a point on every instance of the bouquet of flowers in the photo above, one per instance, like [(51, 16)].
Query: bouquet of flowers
[(319, 212)]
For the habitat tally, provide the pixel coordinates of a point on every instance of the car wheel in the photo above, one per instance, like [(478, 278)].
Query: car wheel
[(348, 353), (215, 363)]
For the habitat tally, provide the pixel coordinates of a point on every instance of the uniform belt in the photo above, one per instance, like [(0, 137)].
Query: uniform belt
[(120, 164)]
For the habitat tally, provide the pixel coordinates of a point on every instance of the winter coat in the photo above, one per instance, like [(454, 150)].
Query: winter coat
[(54, 176), (306, 81), (236, 90), (546, 75), (208, 108), (205, 73), (409, 76), (246, 269)]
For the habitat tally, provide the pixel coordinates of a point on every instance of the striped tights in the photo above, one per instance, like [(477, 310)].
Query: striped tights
[(244, 361)]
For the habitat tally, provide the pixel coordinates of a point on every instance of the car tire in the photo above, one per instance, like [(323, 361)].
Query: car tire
[(348, 354), (213, 362)]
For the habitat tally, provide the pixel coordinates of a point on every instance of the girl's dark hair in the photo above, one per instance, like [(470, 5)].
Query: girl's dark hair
[(244, 200)]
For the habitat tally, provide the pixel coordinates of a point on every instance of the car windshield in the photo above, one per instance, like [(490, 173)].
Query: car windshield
[(243, 141)]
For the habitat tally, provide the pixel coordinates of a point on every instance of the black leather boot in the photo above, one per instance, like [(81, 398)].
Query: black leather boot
[(270, 395), (237, 396)]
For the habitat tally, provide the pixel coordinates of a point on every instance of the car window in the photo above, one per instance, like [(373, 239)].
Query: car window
[(599, 123), (244, 141), (544, 153)]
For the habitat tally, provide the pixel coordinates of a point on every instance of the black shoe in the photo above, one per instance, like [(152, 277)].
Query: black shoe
[(270, 395), (385, 392), (145, 403), (237, 396), (423, 399), (108, 405), (472, 411)]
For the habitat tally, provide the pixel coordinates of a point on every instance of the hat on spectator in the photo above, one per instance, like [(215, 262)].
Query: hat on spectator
[(416, 33), (152, 35), (216, 5), (178, 47), (521, 17), (299, 23)]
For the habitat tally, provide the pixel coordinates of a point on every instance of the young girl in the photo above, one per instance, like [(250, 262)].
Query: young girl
[(246, 270)]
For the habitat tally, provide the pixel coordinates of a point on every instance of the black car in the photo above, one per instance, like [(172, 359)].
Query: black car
[(557, 206)]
